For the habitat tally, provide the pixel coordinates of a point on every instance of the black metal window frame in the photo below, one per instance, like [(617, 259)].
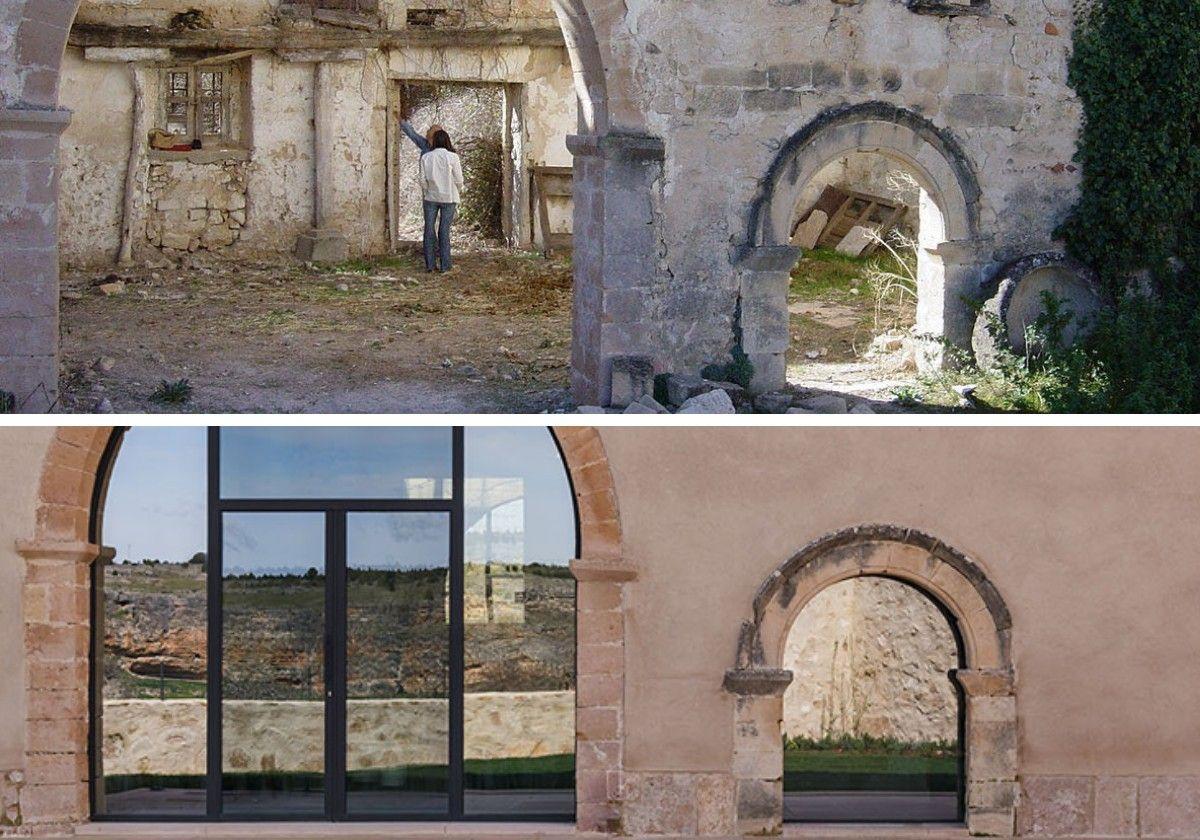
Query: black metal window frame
[(335, 511)]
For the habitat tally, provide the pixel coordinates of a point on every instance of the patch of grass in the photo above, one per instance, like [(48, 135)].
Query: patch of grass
[(175, 392), (823, 273), (868, 763)]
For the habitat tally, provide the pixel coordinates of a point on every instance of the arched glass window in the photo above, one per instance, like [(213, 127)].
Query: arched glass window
[(350, 623)]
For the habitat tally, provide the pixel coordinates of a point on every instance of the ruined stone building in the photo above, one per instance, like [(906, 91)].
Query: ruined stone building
[(700, 131), (1026, 623), (296, 106)]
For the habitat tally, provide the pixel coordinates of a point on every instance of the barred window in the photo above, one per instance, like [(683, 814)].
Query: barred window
[(197, 102)]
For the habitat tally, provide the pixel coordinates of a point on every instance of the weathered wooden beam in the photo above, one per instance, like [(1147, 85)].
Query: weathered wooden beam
[(277, 38)]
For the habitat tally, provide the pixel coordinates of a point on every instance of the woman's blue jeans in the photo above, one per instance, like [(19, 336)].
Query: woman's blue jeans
[(438, 218)]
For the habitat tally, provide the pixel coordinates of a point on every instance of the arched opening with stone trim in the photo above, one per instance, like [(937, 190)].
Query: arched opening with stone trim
[(811, 194), (960, 586), (32, 119), (62, 557)]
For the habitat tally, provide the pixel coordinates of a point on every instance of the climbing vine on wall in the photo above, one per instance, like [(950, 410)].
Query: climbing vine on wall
[(1136, 68)]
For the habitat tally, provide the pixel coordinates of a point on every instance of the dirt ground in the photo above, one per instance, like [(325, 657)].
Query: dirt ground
[(381, 335), (834, 320), (282, 336)]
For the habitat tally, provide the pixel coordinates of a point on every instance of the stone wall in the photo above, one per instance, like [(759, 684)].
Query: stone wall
[(197, 201), (727, 86), (256, 198), (168, 736), (871, 656), (11, 782)]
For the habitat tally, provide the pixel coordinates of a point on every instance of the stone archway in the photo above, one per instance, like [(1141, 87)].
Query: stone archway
[(57, 597), (959, 585), (623, 165), (951, 261)]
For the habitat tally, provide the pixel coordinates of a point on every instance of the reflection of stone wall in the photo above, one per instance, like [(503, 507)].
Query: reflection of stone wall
[(870, 657), (167, 736)]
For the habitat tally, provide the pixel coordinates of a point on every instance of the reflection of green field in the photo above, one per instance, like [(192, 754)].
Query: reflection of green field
[(827, 770), (151, 688), (551, 772)]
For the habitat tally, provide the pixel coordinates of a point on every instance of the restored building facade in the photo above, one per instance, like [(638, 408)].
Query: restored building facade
[(1061, 558)]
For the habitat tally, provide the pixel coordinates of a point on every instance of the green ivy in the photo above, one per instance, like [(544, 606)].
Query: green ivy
[(1136, 69)]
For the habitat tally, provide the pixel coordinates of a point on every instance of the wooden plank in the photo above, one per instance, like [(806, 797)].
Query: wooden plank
[(833, 222), (275, 38)]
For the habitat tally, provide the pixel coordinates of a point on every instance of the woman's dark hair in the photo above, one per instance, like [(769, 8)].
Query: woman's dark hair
[(441, 140)]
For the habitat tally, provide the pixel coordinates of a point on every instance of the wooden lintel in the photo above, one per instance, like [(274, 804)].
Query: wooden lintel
[(280, 38)]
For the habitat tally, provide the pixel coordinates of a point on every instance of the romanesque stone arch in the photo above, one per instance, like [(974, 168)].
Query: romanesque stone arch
[(948, 576), (933, 155), (953, 253), (57, 596)]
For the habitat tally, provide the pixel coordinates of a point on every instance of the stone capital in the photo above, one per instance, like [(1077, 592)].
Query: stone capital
[(984, 682), (618, 145), (757, 682), (77, 552), (766, 257), (588, 570), (45, 121), (965, 251)]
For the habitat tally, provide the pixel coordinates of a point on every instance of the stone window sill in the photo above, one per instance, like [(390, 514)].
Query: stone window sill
[(201, 155)]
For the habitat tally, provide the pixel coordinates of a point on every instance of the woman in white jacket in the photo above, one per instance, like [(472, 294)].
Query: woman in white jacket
[(441, 188)]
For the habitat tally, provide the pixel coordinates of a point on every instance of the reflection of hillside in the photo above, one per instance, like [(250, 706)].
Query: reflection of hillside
[(274, 626)]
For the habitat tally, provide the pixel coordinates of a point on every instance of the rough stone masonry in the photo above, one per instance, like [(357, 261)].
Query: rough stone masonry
[(700, 125)]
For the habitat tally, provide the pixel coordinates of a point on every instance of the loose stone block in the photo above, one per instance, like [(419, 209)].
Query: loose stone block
[(714, 402), (856, 241), (632, 379), (322, 246), (810, 231)]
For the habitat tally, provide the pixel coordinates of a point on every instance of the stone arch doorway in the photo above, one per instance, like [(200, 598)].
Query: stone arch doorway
[(951, 253), (61, 554), (758, 680), (32, 121)]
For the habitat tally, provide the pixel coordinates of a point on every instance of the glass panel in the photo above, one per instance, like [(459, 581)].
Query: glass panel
[(210, 83), (153, 623), (397, 663), (177, 83), (871, 720), (177, 120), (519, 611), (210, 117), (273, 709), (358, 463)]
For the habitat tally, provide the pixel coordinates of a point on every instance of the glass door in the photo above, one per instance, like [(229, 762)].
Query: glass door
[(274, 636), (397, 707)]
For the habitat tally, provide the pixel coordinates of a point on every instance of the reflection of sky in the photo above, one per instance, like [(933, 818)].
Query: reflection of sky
[(333, 463), (397, 541), (528, 454), (156, 499), (273, 543)]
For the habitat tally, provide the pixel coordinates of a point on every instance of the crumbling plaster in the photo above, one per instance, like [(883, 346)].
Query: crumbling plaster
[(725, 85)]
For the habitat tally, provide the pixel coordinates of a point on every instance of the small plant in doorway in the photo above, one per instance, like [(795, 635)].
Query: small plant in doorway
[(177, 392)]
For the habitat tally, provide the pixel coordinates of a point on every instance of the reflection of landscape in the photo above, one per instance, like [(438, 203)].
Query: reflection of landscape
[(519, 675)]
